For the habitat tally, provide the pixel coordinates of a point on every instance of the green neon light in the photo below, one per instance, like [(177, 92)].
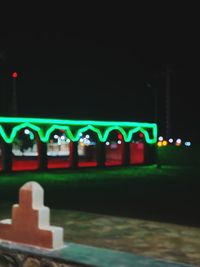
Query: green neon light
[(127, 129), (121, 130), (58, 127), (89, 127), (146, 135), (75, 122), (18, 128), (31, 135)]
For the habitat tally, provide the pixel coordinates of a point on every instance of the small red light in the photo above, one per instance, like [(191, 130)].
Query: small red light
[(120, 137), (14, 74), (141, 135)]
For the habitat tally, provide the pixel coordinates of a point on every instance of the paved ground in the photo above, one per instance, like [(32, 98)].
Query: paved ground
[(164, 241)]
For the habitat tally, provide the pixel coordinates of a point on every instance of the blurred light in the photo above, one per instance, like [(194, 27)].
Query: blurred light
[(26, 131), (141, 135), (55, 136), (63, 137), (187, 143), (80, 134), (68, 140), (86, 142), (120, 136), (160, 138), (14, 74), (87, 136), (31, 135), (159, 143), (107, 143), (164, 143), (171, 140), (119, 142), (178, 142), (81, 139)]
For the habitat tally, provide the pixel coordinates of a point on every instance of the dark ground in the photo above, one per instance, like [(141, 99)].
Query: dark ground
[(167, 194)]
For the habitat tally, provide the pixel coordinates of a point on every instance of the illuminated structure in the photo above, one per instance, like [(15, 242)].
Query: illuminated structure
[(128, 134)]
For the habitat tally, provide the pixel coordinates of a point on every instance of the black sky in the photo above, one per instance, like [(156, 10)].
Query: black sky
[(107, 74)]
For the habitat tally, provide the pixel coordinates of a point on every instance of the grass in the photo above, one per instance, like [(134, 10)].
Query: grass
[(168, 194)]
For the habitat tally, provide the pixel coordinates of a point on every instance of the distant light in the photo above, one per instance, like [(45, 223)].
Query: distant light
[(159, 143), (56, 136), (119, 142), (68, 140), (26, 131), (160, 138), (141, 135), (63, 137), (178, 142), (81, 139), (120, 136), (87, 136), (187, 143), (14, 75), (164, 143), (86, 142), (80, 134), (171, 140), (107, 143)]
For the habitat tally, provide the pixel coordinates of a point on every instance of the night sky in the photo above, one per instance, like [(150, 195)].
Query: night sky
[(107, 74)]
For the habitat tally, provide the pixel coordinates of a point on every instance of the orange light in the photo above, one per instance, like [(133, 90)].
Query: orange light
[(159, 143), (164, 143)]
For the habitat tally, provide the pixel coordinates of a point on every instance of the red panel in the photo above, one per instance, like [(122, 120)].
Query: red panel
[(20, 165), (137, 153)]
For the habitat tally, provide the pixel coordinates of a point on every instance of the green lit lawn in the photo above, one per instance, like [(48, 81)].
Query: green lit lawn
[(169, 193), (80, 199)]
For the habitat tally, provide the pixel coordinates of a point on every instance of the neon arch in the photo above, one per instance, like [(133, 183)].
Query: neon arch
[(17, 128), (39, 125), (59, 127), (110, 129), (89, 127), (139, 129)]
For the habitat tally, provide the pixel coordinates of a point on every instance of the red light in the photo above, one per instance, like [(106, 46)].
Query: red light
[(141, 135), (120, 137), (14, 74)]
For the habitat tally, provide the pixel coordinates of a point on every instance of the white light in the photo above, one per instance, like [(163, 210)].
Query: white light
[(87, 136), (187, 143), (63, 137), (56, 136), (160, 138), (81, 134), (178, 141), (171, 140), (107, 143), (119, 142), (26, 131), (81, 139), (68, 140), (87, 142)]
